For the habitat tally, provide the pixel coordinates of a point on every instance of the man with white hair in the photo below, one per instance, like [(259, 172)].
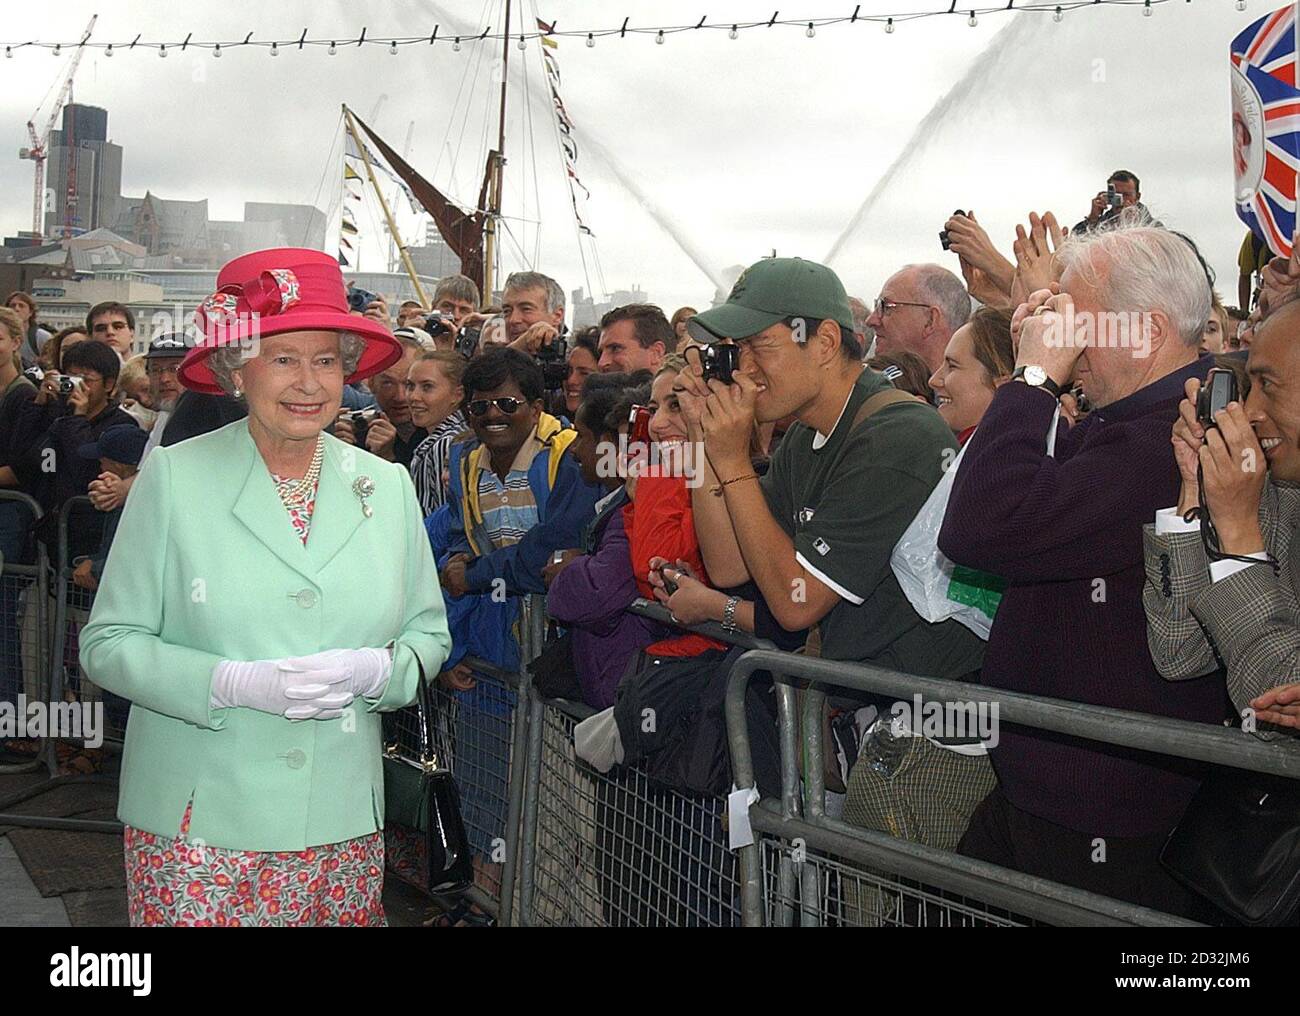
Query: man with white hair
[(1064, 529), (918, 309)]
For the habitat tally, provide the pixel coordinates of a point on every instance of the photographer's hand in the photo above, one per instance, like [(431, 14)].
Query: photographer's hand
[(981, 263), (1234, 472), (49, 389), (377, 310), (1187, 437), (79, 400), (534, 338), (344, 432), (728, 421), (381, 438), (1039, 332), (1099, 205)]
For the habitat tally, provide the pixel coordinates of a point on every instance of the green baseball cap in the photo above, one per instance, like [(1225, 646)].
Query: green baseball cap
[(770, 291)]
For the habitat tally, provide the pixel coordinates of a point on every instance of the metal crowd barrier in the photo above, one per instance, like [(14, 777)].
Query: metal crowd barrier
[(910, 883), (24, 618), (59, 682)]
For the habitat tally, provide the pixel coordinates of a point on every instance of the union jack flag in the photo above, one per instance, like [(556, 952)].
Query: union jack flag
[(1266, 127)]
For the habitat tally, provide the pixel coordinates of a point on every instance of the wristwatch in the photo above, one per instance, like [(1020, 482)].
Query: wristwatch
[(1036, 377), (729, 613)]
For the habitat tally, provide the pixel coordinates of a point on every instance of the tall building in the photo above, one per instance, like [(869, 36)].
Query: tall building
[(81, 150)]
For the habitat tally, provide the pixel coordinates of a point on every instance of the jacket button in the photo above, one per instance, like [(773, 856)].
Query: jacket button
[(305, 598), (295, 758)]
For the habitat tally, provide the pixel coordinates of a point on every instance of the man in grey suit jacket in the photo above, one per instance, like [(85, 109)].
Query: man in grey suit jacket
[(1241, 613)]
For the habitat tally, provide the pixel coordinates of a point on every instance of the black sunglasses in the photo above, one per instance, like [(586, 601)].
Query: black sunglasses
[(507, 405)]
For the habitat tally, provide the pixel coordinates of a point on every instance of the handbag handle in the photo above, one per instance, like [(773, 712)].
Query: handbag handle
[(428, 760)]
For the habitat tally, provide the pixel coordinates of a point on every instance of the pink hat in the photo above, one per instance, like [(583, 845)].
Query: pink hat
[(270, 292)]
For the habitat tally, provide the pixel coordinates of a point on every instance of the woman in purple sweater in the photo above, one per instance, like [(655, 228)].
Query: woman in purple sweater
[(590, 588)]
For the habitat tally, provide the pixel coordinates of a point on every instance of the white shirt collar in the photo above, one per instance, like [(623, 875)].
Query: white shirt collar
[(819, 438)]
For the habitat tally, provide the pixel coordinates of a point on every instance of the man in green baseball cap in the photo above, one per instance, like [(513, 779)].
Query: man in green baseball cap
[(817, 531)]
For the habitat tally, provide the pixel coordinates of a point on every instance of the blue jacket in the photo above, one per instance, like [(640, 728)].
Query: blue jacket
[(565, 503)]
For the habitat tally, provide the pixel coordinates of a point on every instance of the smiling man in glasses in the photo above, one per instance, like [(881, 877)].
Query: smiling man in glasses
[(516, 497), (919, 308)]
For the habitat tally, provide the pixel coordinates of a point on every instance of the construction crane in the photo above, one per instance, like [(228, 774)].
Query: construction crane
[(38, 151)]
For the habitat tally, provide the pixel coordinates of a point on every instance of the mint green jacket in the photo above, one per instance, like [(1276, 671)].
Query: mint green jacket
[(206, 566)]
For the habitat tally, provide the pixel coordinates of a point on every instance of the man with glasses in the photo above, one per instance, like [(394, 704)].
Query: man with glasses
[(919, 308), (516, 497)]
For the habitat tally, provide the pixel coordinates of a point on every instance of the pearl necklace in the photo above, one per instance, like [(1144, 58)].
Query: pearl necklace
[(296, 493)]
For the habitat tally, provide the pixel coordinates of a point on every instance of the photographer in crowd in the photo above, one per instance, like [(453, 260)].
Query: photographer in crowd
[(457, 298), (1238, 607), (1123, 190), (386, 430), (817, 531), (1061, 525), (532, 310)]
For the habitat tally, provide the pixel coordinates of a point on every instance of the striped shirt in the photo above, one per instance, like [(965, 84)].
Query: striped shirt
[(430, 459), (509, 508)]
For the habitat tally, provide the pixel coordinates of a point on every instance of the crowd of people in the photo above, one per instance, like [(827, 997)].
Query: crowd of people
[(756, 465)]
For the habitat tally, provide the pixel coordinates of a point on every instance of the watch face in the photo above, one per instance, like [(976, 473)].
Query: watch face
[(1035, 375)]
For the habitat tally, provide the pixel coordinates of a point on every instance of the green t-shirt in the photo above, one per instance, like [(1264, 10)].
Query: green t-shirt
[(846, 502)]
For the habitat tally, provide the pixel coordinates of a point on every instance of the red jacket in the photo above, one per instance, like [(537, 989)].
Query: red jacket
[(660, 523)]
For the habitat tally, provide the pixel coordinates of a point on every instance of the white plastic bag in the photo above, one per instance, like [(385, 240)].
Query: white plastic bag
[(921, 568)]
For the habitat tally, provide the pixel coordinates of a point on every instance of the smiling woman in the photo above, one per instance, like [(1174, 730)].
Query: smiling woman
[(227, 615)]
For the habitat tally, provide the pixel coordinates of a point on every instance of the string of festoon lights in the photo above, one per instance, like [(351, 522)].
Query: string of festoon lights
[(333, 45)]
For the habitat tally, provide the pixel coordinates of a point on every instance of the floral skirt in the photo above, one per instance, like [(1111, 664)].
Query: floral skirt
[(172, 883)]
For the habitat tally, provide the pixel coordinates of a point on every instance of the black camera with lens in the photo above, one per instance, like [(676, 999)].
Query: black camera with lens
[(720, 360), (467, 340), (944, 240), (554, 358), (1219, 389), (439, 323), (359, 299), (360, 420)]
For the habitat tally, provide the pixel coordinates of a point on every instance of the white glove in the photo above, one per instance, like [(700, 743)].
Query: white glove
[(277, 686), (365, 672)]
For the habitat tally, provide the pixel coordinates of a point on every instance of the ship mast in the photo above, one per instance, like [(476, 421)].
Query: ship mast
[(498, 164)]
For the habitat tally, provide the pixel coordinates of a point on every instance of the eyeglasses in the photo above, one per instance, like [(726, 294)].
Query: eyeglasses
[(883, 306), (159, 369), (507, 405)]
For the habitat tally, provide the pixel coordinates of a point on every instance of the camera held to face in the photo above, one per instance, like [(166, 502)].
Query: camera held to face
[(720, 361), (360, 420), (1219, 389)]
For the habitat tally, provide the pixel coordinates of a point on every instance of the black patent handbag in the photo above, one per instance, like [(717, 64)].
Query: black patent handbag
[(1238, 846), (424, 833)]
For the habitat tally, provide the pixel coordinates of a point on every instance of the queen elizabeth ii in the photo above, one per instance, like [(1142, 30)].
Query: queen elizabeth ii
[(270, 591)]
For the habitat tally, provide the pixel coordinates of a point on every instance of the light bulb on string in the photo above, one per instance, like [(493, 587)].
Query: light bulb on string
[(972, 20), (1057, 16), (659, 39), (275, 49), (1241, 5), (810, 32), (216, 51), (56, 49), (734, 33), (392, 48), (1146, 10), (889, 27), (107, 52), (9, 53), (523, 43), (162, 51), (334, 49), (591, 41)]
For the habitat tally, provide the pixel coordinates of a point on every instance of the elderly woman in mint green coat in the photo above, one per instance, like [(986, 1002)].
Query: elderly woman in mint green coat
[(269, 593)]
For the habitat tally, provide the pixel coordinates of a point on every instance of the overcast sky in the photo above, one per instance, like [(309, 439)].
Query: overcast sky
[(771, 141)]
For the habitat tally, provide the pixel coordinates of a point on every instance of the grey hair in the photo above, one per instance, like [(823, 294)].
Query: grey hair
[(944, 290), (536, 280), (1138, 269), (227, 359), (458, 287)]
